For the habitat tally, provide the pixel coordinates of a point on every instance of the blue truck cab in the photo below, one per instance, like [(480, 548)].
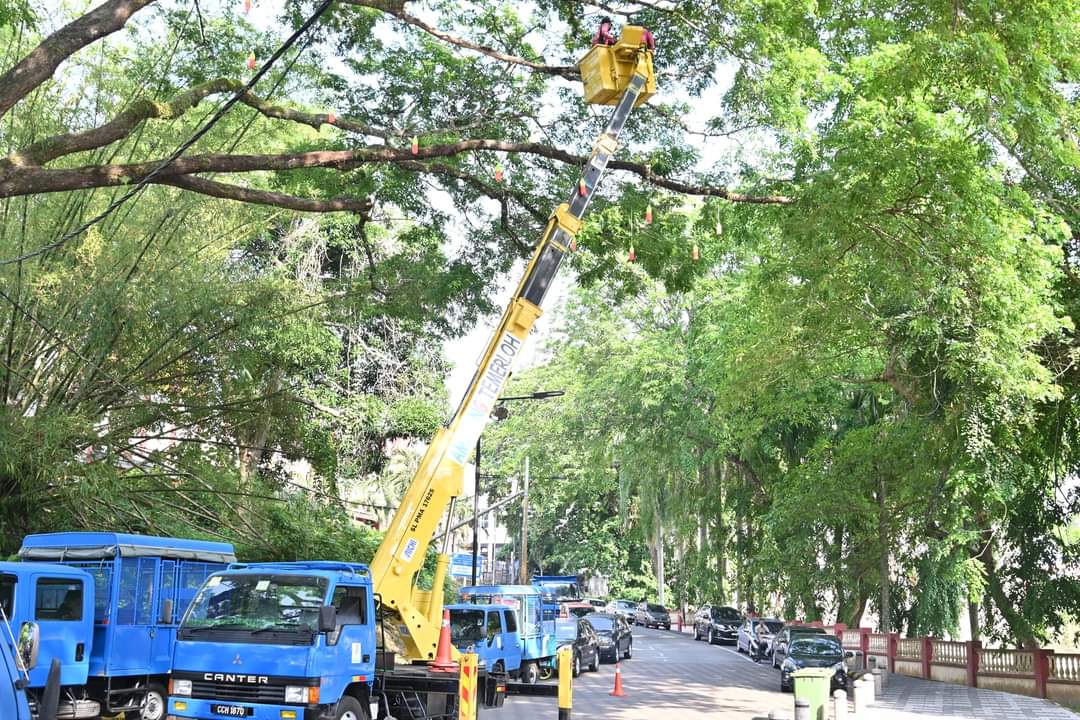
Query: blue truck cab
[(491, 632), (60, 607), (536, 636), (107, 606), (277, 641), (555, 589), (13, 700)]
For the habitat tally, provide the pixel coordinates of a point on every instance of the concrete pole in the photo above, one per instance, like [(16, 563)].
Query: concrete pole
[(878, 681), (864, 695), (840, 705)]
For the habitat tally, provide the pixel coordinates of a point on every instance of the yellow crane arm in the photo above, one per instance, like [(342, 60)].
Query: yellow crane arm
[(626, 68)]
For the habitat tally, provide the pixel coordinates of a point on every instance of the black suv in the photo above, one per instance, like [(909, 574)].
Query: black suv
[(784, 638), (717, 623)]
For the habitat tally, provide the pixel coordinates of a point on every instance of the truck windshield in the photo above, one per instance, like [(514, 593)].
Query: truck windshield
[(559, 591), (254, 603), (466, 626)]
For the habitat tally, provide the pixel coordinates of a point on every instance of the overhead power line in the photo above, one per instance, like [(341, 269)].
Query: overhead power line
[(141, 184)]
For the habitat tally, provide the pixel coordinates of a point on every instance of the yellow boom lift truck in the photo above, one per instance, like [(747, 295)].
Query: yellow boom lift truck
[(620, 75)]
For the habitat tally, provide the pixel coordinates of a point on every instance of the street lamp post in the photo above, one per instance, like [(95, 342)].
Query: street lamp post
[(500, 414)]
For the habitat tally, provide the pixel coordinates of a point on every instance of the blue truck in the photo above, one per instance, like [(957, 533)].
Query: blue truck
[(18, 658), (300, 641), (490, 631), (556, 589), (536, 635), (105, 606)]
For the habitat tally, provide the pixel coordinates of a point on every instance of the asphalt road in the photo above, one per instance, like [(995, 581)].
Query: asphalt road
[(670, 676)]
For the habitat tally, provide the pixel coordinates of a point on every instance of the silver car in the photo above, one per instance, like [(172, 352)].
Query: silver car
[(625, 608), (747, 637)]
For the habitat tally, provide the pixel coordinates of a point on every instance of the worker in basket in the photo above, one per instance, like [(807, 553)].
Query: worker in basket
[(605, 35)]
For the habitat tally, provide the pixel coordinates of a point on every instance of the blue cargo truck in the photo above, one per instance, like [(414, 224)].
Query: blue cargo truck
[(536, 636), (490, 631), (106, 606), (300, 641), (556, 589)]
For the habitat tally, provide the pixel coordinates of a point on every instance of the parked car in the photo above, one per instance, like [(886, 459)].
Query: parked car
[(575, 609), (579, 634), (613, 635), (652, 615), (784, 637), (625, 608), (745, 641), (717, 623), (814, 651)]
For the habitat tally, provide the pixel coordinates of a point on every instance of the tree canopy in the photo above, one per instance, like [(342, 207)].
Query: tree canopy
[(223, 251)]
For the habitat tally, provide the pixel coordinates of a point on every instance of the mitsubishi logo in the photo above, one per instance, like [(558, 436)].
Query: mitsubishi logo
[(236, 660)]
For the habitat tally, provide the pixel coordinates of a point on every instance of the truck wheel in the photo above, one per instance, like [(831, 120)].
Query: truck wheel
[(153, 705), (529, 673), (349, 708)]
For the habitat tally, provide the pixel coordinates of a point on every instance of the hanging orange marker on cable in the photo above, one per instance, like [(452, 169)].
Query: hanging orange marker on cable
[(251, 61), (648, 215)]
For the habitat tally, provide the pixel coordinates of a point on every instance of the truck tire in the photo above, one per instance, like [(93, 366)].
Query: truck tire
[(154, 703), (530, 673), (349, 708)]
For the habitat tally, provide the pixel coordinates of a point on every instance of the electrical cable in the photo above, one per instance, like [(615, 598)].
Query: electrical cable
[(143, 182)]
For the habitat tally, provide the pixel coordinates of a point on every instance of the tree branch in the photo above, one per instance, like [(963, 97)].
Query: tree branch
[(33, 180), (267, 197), (397, 10), (41, 63), (124, 123)]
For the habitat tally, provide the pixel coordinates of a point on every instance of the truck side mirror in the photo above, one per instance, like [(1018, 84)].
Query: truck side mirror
[(167, 611), (327, 618), (29, 644)]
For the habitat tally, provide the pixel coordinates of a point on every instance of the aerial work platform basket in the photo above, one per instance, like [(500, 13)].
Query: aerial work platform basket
[(606, 69)]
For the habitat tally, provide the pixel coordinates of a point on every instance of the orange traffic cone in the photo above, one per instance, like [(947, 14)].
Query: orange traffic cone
[(618, 691), (443, 662)]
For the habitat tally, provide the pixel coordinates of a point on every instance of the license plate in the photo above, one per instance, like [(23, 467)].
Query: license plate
[(232, 710)]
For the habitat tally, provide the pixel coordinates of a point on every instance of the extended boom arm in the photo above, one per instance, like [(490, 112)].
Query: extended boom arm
[(440, 478)]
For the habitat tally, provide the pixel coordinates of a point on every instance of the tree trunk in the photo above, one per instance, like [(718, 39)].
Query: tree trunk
[(255, 439), (973, 619), (1019, 627), (660, 560), (885, 619)]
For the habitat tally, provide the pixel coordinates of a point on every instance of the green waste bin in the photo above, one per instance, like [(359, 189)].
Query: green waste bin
[(812, 685)]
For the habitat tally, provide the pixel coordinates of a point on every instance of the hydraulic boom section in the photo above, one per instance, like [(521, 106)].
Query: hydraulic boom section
[(626, 69)]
